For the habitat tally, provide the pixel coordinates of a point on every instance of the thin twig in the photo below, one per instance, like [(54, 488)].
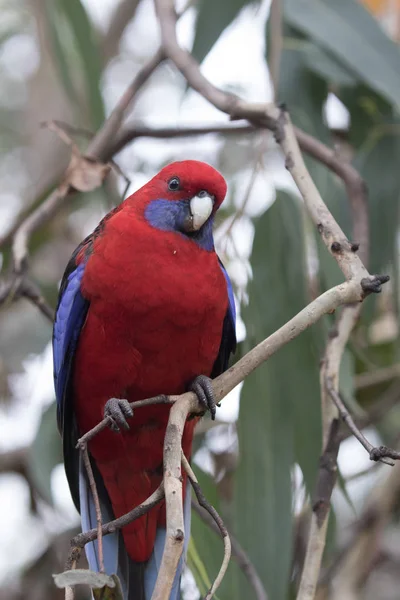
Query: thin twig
[(238, 554), (31, 291), (93, 489), (80, 540), (202, 500), (134, 132), (375, 453), (99, 147)]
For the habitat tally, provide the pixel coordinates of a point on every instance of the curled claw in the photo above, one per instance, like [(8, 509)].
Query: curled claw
[(202, 387), (118, 410)]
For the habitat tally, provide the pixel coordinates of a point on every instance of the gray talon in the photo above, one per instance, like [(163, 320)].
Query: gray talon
[(118, 410), (202, 387)]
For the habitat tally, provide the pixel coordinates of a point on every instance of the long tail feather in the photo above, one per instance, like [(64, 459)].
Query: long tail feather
[(137, 580), (153, 565), (115, 557)]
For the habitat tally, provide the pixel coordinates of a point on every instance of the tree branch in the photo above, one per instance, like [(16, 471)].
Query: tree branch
[(278, 121), (132, 133), (237, 552), (331, 441)]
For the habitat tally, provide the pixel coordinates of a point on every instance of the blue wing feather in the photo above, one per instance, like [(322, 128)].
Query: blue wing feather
[(70, 316), (228, 337)]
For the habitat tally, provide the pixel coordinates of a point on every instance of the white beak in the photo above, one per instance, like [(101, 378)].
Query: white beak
[(200, 208)]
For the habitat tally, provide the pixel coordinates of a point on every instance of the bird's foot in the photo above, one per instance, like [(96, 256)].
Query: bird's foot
[(202, 387), (118, 410)]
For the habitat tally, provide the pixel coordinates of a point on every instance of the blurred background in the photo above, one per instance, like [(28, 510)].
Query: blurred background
[(336, 65)]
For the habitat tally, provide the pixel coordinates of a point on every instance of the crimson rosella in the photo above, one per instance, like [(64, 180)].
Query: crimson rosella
[(145, 308)]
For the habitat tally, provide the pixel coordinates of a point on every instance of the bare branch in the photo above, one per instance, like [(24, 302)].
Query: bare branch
[(328, 468), (173, 494), (93, 489), (133, 133), (22, 287)]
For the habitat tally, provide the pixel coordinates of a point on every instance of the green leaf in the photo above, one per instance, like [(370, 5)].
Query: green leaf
[(55, 26), (77, 55), (279, 422), (302, 91), (46, 452), (109, 592), (341, 482), (89, 54), (197, 567), (213, 17), (205, 555), (375, 163), (305, 94), (353, 37), (325, 66)]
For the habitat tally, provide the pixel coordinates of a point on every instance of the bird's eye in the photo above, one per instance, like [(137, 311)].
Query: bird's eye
[(174, 184)]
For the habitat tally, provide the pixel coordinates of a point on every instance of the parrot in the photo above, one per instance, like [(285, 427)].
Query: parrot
[(145, 308)]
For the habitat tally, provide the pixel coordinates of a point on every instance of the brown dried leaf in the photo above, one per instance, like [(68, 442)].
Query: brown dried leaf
[(85, 174), (79, 576)]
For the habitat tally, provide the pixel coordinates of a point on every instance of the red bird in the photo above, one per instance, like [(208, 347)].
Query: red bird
[(145, 308)]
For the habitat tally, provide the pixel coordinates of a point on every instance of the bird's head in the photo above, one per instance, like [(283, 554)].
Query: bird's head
[(183, 197)]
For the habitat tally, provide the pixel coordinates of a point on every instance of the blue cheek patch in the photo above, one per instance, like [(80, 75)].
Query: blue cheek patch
[(169, 215)]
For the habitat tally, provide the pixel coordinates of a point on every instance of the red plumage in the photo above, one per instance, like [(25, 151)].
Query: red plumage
[(157, 306)]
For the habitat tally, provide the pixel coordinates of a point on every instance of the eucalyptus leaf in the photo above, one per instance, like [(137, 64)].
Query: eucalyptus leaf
[(206, 549), (352, 36), (45, 452), (325, 66), (213, 17), (89, 55), (280, 421)]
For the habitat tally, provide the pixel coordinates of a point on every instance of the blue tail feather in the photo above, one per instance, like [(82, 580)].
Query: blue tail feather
[(137, 579)]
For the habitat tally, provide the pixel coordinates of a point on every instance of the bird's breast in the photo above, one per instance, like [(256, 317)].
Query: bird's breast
[(157, 305)]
